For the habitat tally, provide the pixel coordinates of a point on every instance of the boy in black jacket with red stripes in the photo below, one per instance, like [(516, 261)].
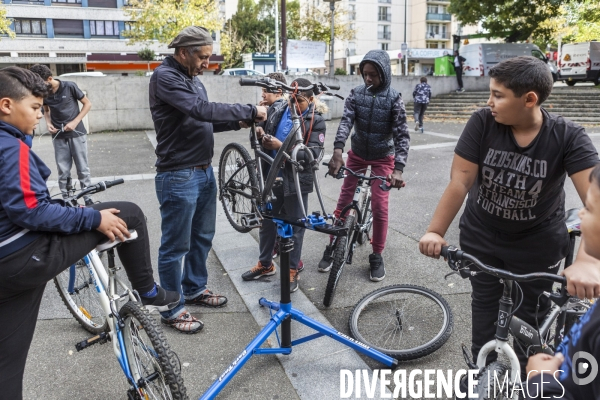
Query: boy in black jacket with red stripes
[(39, 237)]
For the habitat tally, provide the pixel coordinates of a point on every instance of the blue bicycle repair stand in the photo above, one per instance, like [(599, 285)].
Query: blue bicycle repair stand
[(284, 315)]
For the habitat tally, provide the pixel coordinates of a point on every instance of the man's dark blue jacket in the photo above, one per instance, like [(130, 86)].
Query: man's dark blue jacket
[(184, 119), (25, 205)]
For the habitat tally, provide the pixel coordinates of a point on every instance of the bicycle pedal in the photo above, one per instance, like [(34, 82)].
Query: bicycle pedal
[(101, 338)]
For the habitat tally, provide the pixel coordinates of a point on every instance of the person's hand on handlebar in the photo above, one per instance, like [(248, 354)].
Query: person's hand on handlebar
[(395, 179), (431, 244), (336, 162), (261, 114), (112, 226), (583, 278)]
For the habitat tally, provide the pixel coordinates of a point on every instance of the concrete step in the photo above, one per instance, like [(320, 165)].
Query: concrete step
[(577, 119), (548, 107), (551, 98)]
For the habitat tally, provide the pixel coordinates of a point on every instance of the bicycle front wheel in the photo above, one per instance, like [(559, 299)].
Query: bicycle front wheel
[(367, 221), (153, 365), (76, 289), (403, 321), (340, 254), (238, 187)]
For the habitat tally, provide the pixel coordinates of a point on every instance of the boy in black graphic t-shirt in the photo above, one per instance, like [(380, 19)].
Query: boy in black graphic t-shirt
[(512, 160)]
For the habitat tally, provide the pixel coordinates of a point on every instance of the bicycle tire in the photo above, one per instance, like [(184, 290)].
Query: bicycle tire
[(367, 214), (149, 355), (435, 316), (494, 372), (83, 303), (235, 156), (340, 252)]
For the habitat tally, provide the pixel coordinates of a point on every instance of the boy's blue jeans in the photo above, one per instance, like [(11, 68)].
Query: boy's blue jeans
[(188, 201)]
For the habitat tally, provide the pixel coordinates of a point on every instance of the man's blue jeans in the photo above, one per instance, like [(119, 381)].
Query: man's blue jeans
[(188, 201)]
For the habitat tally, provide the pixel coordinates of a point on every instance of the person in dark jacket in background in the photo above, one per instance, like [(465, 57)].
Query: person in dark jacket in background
[(421, 96), (458, 68), (276, 129), (380, 140), (41, 237), (184, 121)]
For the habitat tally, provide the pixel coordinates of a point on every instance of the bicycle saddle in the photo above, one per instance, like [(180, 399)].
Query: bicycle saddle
[(572, 220), (109, 245)]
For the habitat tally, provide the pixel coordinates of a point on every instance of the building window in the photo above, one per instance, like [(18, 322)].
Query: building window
[(30, 26), (104, 28), (384, 32), (68, 28), (385, 1), (62, 2), (436, 45), (436, 31), (352, 13), (102, 3), (384, 46), (384, 14)]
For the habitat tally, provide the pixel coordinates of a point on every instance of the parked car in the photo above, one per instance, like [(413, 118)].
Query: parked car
[(84, 74), (240, 71), (580, 62), (480, 57)]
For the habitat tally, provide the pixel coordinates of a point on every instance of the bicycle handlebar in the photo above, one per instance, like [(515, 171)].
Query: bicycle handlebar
[(453, 254), (273, 85), (99, 187), (341, 175)]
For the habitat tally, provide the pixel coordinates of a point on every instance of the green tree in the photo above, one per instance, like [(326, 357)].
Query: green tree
[(5, 23), (314, 23), (162, 20), (576, 22), (147, 55), (514, 20), (232, 45)]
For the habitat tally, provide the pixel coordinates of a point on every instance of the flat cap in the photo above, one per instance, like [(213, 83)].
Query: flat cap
[(192, 36)]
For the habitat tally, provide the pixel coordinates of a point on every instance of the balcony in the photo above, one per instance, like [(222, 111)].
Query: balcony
[(385, 1), (384, 35), (437, 36), (439, 17), (385, 17)]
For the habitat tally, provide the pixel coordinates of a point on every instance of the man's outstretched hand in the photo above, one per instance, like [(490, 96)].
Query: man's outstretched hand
[(113, 226), (261, 114)]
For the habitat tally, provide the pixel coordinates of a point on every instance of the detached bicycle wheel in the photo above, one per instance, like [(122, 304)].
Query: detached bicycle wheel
[(154, 366), (238, 186), (403, 321), (340, 253), (76, 288)]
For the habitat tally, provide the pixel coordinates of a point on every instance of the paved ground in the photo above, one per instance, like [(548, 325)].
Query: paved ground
[(56, 371)]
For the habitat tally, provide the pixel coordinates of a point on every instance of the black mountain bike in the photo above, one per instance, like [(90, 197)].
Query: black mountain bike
[(357, 219)]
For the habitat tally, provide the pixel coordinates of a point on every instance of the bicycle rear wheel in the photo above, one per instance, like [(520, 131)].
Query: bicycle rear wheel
[(403, 321), (340, 253), (77, 291), (238, 187), (154, 366)]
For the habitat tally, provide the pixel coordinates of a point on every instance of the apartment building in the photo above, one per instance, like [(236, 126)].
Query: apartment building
[(76, 35), (387, 24)]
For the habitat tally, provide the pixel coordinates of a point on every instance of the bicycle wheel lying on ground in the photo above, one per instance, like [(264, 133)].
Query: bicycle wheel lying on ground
[(154, 367), (237, 186), (403, 321), (340, 253), (76, 288)]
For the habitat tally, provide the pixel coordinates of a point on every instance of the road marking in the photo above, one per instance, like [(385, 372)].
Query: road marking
[(432, 146)]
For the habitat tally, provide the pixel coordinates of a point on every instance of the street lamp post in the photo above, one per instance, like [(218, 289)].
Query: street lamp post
[(331, 43)]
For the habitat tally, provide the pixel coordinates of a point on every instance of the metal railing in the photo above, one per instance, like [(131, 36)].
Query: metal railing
[(439, 17), (437, 36), (385, 17), (384, 35)]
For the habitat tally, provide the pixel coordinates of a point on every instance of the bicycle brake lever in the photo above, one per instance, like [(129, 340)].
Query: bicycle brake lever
[(385, 187), (560, 298)]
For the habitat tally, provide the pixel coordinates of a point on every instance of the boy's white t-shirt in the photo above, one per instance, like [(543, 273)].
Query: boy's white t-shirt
[(457, 61)]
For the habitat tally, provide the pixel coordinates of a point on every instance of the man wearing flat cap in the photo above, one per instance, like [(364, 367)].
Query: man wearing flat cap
[(185, 121)]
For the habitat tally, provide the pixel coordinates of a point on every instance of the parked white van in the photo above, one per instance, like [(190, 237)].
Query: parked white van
[(580, 62), (483, 56)]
